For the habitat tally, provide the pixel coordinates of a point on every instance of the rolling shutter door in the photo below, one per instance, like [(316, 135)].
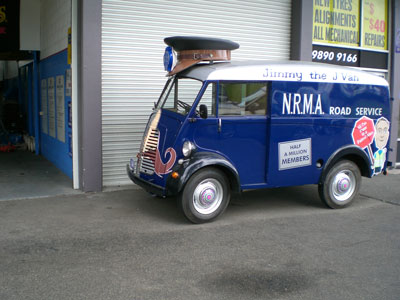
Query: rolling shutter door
[(132, 58)]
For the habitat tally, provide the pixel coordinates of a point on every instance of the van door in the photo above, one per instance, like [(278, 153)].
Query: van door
[(237, 128)]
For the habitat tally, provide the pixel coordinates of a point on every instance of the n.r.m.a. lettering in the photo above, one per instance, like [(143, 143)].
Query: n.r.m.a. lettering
[(301, 104)]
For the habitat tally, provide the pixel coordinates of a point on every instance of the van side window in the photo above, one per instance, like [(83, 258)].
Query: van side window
[(240, 99), (208, 99)]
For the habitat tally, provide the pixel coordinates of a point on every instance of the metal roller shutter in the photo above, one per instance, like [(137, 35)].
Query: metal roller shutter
[(133, 48)]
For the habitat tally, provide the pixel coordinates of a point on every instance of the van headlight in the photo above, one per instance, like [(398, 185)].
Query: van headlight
[(187, 148)]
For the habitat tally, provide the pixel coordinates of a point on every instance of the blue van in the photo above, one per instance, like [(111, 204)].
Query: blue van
[(221, 127)]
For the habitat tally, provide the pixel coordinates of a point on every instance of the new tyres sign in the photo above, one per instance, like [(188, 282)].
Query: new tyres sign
[(337, 22)]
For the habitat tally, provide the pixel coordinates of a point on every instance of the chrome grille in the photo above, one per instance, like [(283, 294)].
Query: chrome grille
[(148, 148), (148, 154)]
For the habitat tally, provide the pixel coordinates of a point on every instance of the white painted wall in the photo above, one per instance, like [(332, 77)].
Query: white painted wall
[(29, 22), (55, 19)]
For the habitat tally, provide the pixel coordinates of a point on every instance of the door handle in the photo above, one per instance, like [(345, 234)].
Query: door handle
[(219, 124)]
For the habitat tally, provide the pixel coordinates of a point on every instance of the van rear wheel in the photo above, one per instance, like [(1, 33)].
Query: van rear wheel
[(205, 196), (341, 184)]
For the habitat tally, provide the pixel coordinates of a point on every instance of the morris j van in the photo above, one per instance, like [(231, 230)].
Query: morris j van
[(221, 127)]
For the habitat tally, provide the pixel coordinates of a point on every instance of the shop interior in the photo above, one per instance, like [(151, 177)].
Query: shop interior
[(24, 172)]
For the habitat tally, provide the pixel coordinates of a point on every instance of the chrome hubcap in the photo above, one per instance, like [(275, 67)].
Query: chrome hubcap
[(207, 196), (343, 185)]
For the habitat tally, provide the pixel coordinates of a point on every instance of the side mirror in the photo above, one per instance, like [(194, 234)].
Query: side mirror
[(203, 111)]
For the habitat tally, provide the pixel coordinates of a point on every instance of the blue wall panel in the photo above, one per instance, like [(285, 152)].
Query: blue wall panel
[(52, 148)]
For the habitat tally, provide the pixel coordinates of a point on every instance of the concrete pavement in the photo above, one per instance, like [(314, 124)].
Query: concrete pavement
[(383, 188), (271, 244)]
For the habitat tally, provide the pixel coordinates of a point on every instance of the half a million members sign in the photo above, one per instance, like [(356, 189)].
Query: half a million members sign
[(9, 25)]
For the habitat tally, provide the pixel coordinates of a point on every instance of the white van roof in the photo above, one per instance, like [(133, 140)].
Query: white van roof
[(281, 71)]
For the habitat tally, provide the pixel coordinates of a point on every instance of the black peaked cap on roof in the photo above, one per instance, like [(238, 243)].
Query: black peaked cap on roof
[(180, 43)]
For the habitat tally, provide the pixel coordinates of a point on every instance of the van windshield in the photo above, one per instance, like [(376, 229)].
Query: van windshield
[(179, 94)]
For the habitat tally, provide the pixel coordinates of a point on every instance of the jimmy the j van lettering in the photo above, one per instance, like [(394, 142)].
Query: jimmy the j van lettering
[(346, 77), (269, 73), (302, 104)]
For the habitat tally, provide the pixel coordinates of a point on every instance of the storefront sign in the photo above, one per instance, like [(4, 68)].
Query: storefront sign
[(340, 39), (9, 25), (336, 22), (375, 29)]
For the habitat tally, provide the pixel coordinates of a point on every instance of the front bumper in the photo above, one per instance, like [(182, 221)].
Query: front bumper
[(147, 186)]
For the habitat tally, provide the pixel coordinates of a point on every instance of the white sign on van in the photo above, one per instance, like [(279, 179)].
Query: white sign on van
[(294, 154)]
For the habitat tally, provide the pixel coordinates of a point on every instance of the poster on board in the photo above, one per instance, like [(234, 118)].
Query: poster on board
[(60, 108), (44, 106), (52, 107)]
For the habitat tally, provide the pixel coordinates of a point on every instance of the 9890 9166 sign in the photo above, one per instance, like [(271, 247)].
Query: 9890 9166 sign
[(336, 56)]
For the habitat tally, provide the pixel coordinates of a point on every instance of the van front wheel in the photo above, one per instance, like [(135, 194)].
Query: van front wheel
[(341, 184), (205, 196)]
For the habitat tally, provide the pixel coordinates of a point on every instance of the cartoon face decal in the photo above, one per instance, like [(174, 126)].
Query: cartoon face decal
[(381, 133), (381, 139)]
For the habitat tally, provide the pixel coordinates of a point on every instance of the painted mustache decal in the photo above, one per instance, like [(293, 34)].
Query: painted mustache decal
[(161, 168), (152, 153)]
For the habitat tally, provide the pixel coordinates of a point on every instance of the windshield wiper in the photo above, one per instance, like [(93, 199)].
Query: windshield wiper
[(184, 105)]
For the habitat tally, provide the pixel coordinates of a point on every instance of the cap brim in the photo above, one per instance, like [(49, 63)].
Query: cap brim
[(183, 64)]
